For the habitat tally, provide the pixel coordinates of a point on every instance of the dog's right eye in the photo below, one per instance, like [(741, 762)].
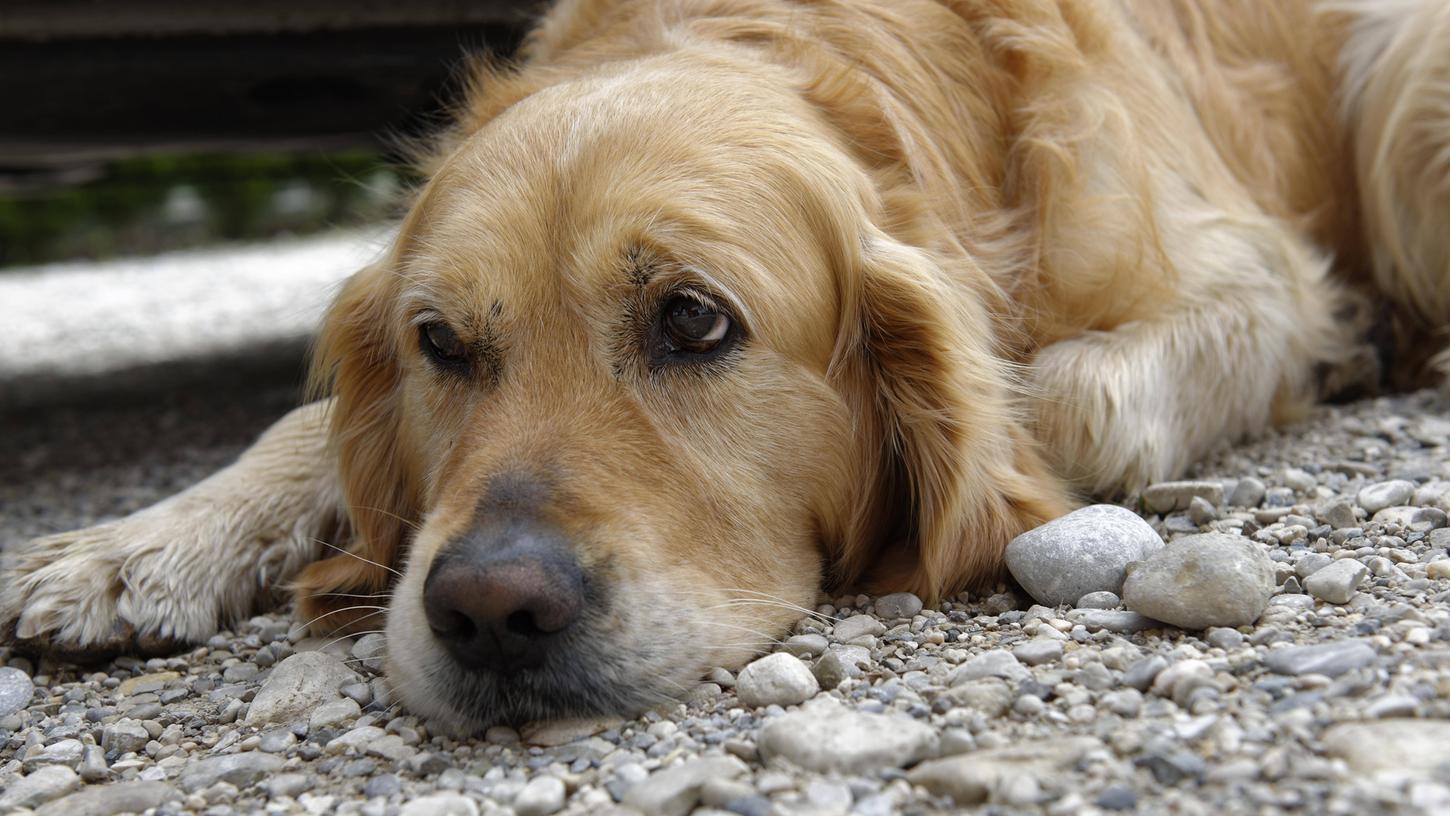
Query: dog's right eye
[(442, 345)]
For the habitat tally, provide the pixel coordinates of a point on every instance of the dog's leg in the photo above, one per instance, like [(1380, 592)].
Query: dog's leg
[(1232, 347), (177, 571)]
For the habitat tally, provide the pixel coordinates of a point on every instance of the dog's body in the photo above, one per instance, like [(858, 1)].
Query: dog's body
[(716, 300)]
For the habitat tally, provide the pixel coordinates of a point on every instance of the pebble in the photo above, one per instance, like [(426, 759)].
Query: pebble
[(241, 770), (675, 791), (371, 650), (1376, 497), (289, 784), (994, 663), (1249, 492), (1084, 551), (970, 778), (124, 737), (1099, 600), (1329, 659), (1395, 745), (540, 797), (1336, 582), (440, 804), (857, 626), (898, 606), (1165, 497), (776, 679), (804, 646), (39, 787), (16, 689), (298, 685), (1204, 580), (840, 663), (825, 736), (1037, 651), (334, 713), (107, 800)]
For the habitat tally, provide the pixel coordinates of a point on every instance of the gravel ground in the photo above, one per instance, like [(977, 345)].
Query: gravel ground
[(1336, 700)]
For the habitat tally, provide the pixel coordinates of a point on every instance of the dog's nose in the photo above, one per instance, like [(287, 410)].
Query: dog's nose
[(500, 598)]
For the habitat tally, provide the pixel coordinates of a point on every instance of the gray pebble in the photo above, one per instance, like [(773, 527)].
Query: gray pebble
[(1376, 497), (107, 800), (1338, 514), (440, 804), (1249, 492), (839, 664), (1337, 582), (289, 784), (40, 786), (542, 796), (993, 663), (371, 649), (1224, 638), (1165, 497), (1331, 659), (1084, 551), (776, 679), (1198, 581), (675, 791), (1037, 651), (856, 626), (804, 646), (16, 689), (93, 764), (124, 736), (826, 736), (1120, 621), (898, 605), (241, 770), (1099, 600), (296, 686)]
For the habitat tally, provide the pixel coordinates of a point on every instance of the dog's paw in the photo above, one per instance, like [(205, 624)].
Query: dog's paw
[(87, 595)]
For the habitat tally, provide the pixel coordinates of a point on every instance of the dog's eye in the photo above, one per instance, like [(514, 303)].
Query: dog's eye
[(694, 327), (441, 344)]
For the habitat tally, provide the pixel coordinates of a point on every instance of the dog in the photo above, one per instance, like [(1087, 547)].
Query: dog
[(708, 304)]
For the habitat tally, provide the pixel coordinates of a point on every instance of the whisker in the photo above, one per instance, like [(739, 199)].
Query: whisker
[(381, 609), (358, 557)]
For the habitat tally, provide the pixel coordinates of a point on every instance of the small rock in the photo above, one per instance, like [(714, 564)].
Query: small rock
[(107, 800), (1084, 551), (1198, 581), (675, 791), (776, 679), (1337, 582), (856, 626), (1338, 514), (334, 713), (289, 784), (1310, 564), (440, 804), (236, 769), (1165, 497), (371, 650), (1397, 745), (296, 686), (93, 764), (1099, 600), (839, 663), (124, 737), (993, 663), (1120, 621), (16, 689), (540, 797), (553, 733), (1376, 497), (1247, 493), (898, 605), (825, 736), (1330, 659), (989, 696), (1200, 512), (804, 646), (971, 778), (145, 683), (41, 786), (1037, 651), (61, 752)]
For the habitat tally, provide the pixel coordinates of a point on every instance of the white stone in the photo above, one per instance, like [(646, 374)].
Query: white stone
[(298, 685), (1337, 582), (1085, 551), (827, 737), (776, 679)]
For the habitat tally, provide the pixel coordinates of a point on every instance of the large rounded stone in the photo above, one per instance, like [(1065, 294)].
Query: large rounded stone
[(776, 679), (1198, 581), (1087, 550)]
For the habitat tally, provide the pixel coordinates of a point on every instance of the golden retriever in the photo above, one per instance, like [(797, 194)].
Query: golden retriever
[(711, 303)]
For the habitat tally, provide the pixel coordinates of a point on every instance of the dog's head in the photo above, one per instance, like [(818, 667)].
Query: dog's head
[(642, 371)]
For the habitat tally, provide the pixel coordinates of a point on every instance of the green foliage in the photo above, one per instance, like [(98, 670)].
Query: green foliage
[(154, 203)]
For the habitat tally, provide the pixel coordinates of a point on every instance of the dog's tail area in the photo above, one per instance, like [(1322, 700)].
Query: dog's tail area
[(1396, 71)]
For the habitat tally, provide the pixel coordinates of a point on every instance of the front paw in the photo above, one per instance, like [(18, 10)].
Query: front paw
[(73, 596)]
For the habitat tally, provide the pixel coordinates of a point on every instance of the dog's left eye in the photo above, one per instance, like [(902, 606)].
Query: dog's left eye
[(694, 327), (441, 344)]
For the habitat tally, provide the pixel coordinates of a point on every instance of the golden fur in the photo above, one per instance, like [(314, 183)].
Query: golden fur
[(986, 255)]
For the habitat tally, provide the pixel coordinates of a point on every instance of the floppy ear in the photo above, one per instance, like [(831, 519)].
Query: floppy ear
[(355, 361), (970, 475)]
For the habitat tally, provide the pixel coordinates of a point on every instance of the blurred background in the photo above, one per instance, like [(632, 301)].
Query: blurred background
[(182, 188)]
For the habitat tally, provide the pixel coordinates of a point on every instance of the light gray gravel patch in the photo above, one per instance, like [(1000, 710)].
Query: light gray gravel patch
[(985, 700)]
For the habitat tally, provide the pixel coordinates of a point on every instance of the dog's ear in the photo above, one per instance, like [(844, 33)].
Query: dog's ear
[(355, 361), (921, 341)]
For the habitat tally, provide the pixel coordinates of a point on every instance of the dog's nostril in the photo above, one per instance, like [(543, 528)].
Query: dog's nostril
[(523, 623), (453, 625)]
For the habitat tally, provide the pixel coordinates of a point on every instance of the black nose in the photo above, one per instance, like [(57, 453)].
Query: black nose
[(501, 597)]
